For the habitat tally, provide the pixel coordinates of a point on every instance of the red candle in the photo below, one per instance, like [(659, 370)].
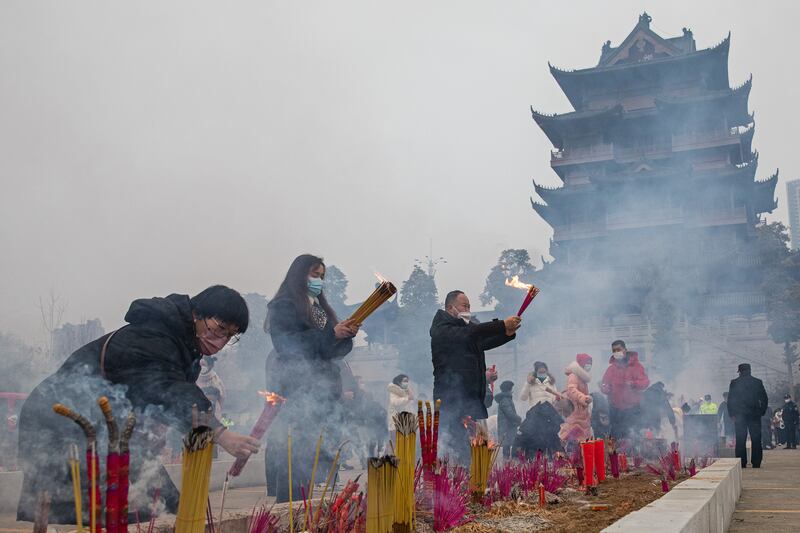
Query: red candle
[(623, 462), (542, 499), (587, 449), (600, 459), (272, 405), (664, 484)]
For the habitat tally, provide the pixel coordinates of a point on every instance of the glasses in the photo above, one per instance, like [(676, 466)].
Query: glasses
[(220, 332)]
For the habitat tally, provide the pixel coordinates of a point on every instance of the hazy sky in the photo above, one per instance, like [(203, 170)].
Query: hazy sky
[(157, 147)]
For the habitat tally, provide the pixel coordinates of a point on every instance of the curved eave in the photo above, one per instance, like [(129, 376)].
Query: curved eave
[(547, 213), (546, 193), (571, 81), (558, 127), (764, 195), (747, 139)]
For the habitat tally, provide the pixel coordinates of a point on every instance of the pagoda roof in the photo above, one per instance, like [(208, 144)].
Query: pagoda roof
[(734, 102), (641, 51), (548, 214), (556, 126), (764, 195)]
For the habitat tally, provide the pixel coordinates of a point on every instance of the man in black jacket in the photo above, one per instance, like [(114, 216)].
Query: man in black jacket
[(747, 403), (458, 343), (149, 366)]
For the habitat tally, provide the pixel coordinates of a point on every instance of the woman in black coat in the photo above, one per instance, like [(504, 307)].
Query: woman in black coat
[(307, 340), (150, 366)]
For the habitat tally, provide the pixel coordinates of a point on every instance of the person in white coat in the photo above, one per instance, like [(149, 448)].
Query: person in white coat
[(541, 387), (401, 398)]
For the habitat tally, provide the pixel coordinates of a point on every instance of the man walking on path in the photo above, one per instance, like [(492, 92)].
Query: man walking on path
[(747, 403)]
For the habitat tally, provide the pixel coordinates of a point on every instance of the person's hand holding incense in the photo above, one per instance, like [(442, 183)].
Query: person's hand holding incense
[(512, 324), (238, 445), (491, 374), (346, 329)]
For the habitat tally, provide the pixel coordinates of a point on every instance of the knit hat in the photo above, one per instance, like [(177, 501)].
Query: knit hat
[(583, 359), (506, 386)]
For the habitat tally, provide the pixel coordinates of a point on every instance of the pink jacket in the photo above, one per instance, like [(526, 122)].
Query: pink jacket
[(578, 426)]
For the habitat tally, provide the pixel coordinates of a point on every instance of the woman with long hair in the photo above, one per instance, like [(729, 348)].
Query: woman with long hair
[(307, 340)]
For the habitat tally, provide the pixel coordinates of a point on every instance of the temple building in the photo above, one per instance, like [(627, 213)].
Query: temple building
[(657, 208)]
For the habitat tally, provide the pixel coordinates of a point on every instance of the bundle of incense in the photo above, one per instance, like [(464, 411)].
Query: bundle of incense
[(587, 450), (531, 289), (42, 518), (676, 456), (198, 447), (272, 405), (381, 480), (532, 292), (92, 462), (406, 450), (482, 454), (623, 462), (124, 471), (379, 296), (308, 510), (112, 467), (75, 472), (600, 460)]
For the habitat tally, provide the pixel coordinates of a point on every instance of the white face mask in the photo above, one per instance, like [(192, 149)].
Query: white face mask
[(466, 317), (588, 368), (618, 355), (404, 384)]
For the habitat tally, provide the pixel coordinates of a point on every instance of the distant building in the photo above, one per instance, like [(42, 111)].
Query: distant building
[(793, 194), (656, 214)]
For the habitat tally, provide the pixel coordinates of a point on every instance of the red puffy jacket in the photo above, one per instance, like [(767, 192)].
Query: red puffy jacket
[(624, 384)]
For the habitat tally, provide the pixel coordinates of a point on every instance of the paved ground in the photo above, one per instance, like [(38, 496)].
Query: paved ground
[(770, 495)]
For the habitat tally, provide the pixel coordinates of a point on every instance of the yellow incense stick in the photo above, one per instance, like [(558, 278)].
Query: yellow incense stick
[(291, 512), (311, 484), (75, 469)]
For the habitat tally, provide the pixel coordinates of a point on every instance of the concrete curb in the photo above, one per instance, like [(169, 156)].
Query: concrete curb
[(704, 503), (252, 476)]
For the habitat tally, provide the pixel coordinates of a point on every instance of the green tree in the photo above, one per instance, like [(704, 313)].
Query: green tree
[(419, 292), (419, 300), (336, 289), (781, 286), (512, 262)]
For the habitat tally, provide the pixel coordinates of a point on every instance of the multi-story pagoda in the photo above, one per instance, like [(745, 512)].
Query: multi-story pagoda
[(659, 200)]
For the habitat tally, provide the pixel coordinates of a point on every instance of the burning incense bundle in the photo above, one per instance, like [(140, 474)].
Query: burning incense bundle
[(531, 294), (381, 477), (112, 466), (75, 471), (406, 451), (379, 296), (613, 458), (92, 462), (198, 447), (483, 454), (272, 405), (124, 471)]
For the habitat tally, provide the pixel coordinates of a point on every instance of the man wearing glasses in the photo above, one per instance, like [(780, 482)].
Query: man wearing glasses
[(150, 366)]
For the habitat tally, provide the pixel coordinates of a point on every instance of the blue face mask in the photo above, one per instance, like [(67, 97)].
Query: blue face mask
[(314, 286)]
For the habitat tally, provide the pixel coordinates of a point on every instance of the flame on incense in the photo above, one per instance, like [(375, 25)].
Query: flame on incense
[(271, 397), (517, 284)]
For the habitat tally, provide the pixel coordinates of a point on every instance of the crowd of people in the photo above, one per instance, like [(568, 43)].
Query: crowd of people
[(161, 365)]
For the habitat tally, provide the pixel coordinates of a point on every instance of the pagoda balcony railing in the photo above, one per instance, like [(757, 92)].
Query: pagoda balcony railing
[(718, 217), (703, 139), (653, 217), (566, 232), (582, 154), (634, 153)]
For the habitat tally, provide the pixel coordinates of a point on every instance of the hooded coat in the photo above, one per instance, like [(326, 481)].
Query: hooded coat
[(150, 365), (507, 418), (459, 362), (400, 400), (536, 392), (578, 426), (624, 384)]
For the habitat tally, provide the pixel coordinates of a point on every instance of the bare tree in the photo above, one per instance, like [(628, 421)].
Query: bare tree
[(52, 310)]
